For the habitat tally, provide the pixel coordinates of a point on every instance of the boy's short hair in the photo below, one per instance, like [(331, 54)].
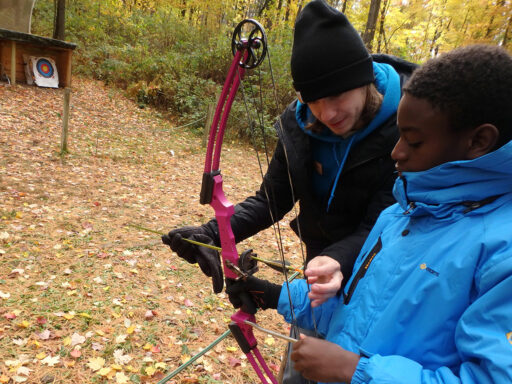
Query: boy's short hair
[(472, 85)]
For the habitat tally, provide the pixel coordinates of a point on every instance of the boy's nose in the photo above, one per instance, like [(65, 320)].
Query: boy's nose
[(399, 153)]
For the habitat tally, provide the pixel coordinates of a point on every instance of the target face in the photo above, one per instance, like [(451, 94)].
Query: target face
[(44, 71), (44, 68)]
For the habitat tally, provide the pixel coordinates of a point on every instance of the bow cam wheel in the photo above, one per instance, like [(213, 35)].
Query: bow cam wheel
[(249, 37)]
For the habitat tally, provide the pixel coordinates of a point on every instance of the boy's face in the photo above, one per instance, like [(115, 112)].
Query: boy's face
[(426, 138), (340, 113)]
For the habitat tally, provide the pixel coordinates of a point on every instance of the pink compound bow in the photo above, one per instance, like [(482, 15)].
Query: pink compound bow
[(248, 53)]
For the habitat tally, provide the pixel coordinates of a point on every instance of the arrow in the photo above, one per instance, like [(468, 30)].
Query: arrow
[(272, 264)]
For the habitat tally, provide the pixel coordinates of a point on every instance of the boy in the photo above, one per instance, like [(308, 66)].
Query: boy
[(429, 297)]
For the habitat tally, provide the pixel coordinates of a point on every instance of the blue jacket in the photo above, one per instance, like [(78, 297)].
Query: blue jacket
[(430, 297)]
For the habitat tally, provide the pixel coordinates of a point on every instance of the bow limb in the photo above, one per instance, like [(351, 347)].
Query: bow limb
[(245, 56)]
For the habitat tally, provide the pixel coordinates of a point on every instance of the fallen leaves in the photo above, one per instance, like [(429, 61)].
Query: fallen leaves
[(76, 285)]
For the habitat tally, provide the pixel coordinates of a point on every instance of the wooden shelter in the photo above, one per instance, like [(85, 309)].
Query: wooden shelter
[(14, 45)]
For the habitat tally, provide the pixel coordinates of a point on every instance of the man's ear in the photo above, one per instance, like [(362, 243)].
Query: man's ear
[(483, 140)]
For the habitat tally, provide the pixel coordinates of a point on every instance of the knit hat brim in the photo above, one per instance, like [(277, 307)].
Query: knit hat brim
[(353, 76)]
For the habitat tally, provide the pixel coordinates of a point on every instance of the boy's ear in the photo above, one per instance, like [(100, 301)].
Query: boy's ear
[(483, 140)]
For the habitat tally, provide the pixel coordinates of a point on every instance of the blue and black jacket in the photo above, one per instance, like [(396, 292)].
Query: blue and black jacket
[(361, 193)]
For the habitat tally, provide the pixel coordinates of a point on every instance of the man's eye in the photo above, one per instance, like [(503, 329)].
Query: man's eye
[(415, 144)]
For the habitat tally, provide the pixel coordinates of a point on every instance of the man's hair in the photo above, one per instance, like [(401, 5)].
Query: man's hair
[(472, 85)]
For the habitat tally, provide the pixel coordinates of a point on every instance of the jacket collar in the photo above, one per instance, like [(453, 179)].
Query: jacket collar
[(457, 182)]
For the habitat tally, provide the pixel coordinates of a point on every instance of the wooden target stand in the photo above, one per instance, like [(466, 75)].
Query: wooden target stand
[(16, 46)]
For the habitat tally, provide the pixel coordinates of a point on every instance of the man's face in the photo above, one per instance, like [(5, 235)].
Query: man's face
[(426, 138), (342, 112)]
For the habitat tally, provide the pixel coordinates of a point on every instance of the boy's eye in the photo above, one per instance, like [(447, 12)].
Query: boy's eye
[(415, 144)]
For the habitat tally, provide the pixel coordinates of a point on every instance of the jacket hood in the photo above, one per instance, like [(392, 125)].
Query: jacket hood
[(457, 182)]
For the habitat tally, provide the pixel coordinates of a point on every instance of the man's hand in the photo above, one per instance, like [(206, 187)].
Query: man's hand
[(321, 360), (208, 259), (324, 275)]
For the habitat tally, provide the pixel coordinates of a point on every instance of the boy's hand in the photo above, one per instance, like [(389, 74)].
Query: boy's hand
[(253, 293), (321, 360), (208, 259), (324, 275)]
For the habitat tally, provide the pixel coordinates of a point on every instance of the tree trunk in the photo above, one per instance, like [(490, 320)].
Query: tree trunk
[(381, 25), (507, 30), (369, 31), (59, 25), (344, 8)]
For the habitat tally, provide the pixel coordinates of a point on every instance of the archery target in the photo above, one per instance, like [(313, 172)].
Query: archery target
[(45, 72)]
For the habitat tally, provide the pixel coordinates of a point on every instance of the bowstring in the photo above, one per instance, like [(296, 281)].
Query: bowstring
[(280, 124), (276, 226)]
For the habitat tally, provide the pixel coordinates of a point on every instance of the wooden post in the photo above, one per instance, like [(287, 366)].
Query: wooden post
[(209, 119), (65, 120), (13, 62)]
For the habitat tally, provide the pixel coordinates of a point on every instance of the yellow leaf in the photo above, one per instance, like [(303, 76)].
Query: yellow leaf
[(86, 315), (4, 379), (100, 332), (24, 324), (104, 371), (36, 343), (185, 358), (130, 368), (161, 366), (96, 363), (68, 316), (150, 371), (147, 347), (41, 356), (66, 341), (116, 367), (231, 349), (130, 329), (270, 341), (71, 293), (70, 363), (19, 215), (121, 378)]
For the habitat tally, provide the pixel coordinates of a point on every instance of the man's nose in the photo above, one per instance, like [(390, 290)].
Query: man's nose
[(327, 110)]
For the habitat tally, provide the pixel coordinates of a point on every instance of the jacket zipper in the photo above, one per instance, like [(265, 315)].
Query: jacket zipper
[(362, 271)]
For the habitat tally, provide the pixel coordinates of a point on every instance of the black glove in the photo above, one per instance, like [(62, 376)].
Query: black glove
[(208, 259), (253, 293)]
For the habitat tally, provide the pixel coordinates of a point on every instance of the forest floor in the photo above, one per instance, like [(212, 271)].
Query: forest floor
[(84, 296)]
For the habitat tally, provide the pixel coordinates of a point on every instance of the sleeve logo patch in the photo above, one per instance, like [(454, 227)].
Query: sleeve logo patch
[(509, 337)]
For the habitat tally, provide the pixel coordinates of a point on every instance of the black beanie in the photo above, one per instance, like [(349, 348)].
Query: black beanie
[(328, 55)]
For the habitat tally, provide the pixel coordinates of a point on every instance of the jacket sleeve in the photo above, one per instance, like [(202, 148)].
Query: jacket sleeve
[(302, 311), (483, 339), (347, 249), (269, 204)]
